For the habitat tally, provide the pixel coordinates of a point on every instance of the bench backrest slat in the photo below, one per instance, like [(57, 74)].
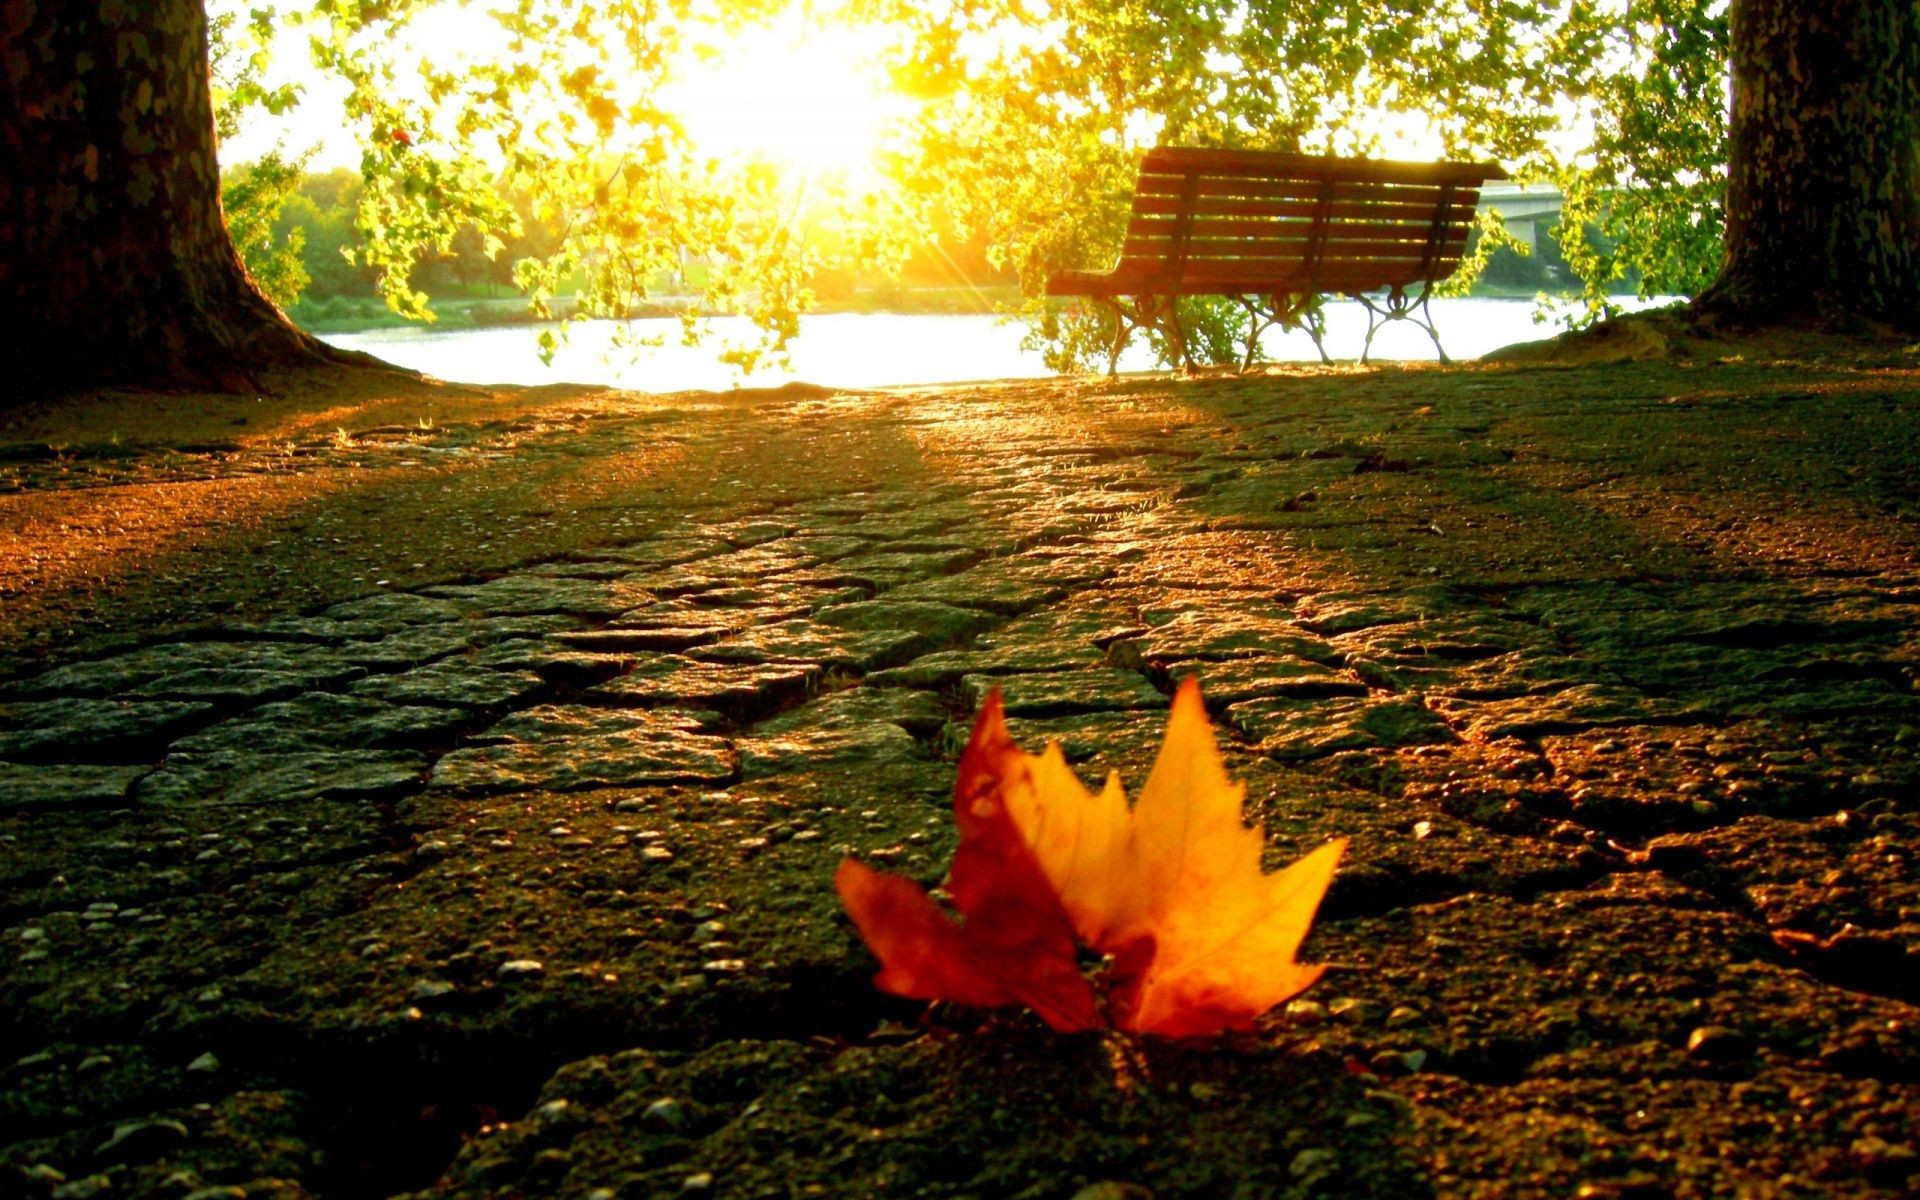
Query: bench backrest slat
[(1276, 164), (1212, 217)]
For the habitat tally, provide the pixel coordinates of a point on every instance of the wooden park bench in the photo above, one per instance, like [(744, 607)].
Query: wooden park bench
[(1276, 232)]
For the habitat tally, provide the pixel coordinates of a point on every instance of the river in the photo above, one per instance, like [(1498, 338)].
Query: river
[(874, 350)]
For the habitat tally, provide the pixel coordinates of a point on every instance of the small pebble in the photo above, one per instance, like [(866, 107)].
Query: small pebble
[(1349, 1009), (142, 1141), (520, 968), (1718, 1045), (1113, 1189), (699, 1181), (656, 855), (665, 1113), (1404, 1015), (206, 1064), (1313, 1161)]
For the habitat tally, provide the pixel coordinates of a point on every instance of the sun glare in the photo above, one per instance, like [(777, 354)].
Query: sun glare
[(810, 98)]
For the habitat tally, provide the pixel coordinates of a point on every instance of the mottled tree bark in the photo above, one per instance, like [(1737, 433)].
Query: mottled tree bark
[(115, 264), (1823, 188)]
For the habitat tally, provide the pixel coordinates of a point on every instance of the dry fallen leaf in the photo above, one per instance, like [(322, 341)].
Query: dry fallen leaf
[(1197, 938)]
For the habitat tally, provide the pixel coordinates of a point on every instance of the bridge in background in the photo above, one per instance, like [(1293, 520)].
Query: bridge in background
[(1530, 209)]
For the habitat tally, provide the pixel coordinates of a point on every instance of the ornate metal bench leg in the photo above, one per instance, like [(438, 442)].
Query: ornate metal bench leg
[(1426, 322), (1166, 313), (1316, 323), (1256, 324), (1122, 329), (1375, 319)]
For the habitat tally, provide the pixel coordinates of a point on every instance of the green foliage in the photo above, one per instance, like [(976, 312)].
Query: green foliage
[(255, 198), (555, 157), (1037, 126), (254, 195)]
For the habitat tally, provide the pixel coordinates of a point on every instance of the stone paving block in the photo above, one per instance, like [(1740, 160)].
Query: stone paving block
[(397, 608), (748, 532), (553, 662), (254, 778), (1616, 618), (672, 617), (781, 598), (687, 683), (325, 721), (1836, 698), (823, 547), (1331, 613), (627, 641), (1229, 681), (805, 641), (456, 683), (1050, 693), (986, 587), (643, 753), (318, 630), (1117, 740), (582, 569), (891, 569), (875, 748), (944, 623), (1231, 632), (1292, 730), (1587, 706), (945, 667), (663, 552), (547, 722), (920, 713), (1456, 637), (65, 785), (1502, 677), (1086, 620), (756, 563), (520, 595), (1609, 982), (228, 687), (70, 729), (1056, 567), (134, 669)]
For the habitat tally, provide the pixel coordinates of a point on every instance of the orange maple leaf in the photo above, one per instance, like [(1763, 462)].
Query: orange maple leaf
[(1198, 938)]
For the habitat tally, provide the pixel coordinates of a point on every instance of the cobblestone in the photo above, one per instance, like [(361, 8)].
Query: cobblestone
[(1616, 698)]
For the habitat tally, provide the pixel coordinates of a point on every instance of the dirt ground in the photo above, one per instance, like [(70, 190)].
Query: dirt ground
[(430, 790)]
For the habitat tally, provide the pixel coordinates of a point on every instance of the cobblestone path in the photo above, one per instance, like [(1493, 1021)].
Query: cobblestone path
[(518, 880)]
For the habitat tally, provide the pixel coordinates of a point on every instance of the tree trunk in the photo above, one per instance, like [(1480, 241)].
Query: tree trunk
[(115, 264), (1823, 187)]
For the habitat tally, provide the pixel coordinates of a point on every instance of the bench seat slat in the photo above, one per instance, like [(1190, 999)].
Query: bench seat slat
[(1271, 187), (1342, 240)]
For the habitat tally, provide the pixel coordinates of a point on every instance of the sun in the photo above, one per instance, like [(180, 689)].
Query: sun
[(808, 96)]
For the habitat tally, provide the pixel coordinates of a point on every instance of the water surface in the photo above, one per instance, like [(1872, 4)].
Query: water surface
[(877, 349)]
